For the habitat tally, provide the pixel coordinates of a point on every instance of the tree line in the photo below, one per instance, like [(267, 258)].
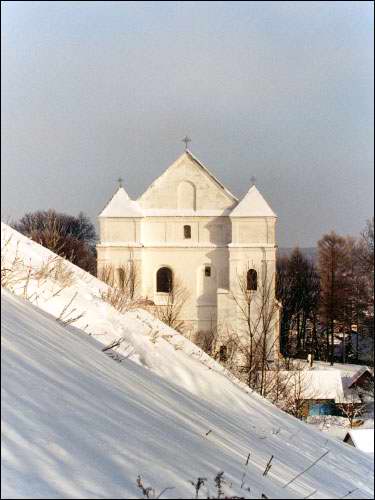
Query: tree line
[(327, 298)]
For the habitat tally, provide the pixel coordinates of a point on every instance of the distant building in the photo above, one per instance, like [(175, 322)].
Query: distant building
[(188, 228), (325, 390), (362, 439)]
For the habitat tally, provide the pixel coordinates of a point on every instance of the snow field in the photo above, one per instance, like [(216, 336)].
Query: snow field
[(77, 424)]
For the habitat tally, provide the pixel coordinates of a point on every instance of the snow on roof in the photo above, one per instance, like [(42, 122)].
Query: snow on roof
[(363, 439), (316, 384), (346, 369), (121, 205), (324, 385), (253, 205), (357, 375)]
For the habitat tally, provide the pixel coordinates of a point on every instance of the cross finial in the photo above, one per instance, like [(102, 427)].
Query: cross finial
[(186, 140), (119, 180), (253, 180)]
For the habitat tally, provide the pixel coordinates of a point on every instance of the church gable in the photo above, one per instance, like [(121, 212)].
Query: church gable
[(187, 186)]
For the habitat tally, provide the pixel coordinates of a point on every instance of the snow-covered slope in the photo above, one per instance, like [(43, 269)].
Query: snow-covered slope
[(77, 424)]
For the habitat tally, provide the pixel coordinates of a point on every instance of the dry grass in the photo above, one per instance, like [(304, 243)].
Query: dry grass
[(56, 269), (117, 298), (19, 275), (122, 287), (120, 300)]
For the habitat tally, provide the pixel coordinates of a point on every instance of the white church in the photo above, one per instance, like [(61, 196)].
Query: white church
[(188, 228)]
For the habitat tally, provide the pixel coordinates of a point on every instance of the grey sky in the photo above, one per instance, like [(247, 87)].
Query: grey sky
[(279, 90)]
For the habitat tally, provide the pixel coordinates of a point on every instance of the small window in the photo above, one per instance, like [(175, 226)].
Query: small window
[(164, 280), (121, 277), (252, 280), (223, 354), (187, 232), (207, 271)]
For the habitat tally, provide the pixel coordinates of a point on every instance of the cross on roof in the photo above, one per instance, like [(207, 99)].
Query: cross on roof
[(186, 140), (253, 180), (119, 180)]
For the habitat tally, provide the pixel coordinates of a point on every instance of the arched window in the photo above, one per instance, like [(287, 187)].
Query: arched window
[(186, 195), (164, 280), (252, 280)]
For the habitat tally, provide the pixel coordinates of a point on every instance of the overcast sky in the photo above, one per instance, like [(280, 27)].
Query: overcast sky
[(279, 90)]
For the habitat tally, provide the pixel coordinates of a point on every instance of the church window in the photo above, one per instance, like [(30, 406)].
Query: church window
[(252, 280), (187, 232), (164, 280), (207, 271), (121, 277)]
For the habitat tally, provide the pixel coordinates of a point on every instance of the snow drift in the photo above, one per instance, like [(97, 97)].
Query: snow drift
[(78, 424)]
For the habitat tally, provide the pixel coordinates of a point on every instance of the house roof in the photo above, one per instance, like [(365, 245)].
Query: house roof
[(323, 384), (253, 205), (363, 439), (315, 384), (358, 374), (120, 205)]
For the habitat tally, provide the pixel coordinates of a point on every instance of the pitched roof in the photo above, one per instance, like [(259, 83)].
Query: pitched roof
[(313, 384), (203, 167), (188, 154), (358, 375), (120, 205), (253, 205)]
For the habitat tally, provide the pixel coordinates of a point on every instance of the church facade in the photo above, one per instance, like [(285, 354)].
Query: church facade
[(188, 230)]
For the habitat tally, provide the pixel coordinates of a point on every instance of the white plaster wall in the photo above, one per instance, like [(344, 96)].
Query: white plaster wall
[(187, 265), (170, 190), (119, 229), (163, 244), (170, 230), (253, 230)]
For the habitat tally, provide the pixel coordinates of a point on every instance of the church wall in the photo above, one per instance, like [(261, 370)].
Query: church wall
[(263, 260), (188, 267), (253, 230), (170, 230), (119, 229)]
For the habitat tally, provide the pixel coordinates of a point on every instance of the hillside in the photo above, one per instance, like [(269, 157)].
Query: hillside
[(77, 424)]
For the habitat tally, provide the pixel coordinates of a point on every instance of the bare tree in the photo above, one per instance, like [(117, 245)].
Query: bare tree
[(68, 236), (295, 392), (288, 387), (173, 301), (255, 338), (355, 293), (352, 407), (297, 288), (123, 284), (367, 243), (332, 265), (125, 276)]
